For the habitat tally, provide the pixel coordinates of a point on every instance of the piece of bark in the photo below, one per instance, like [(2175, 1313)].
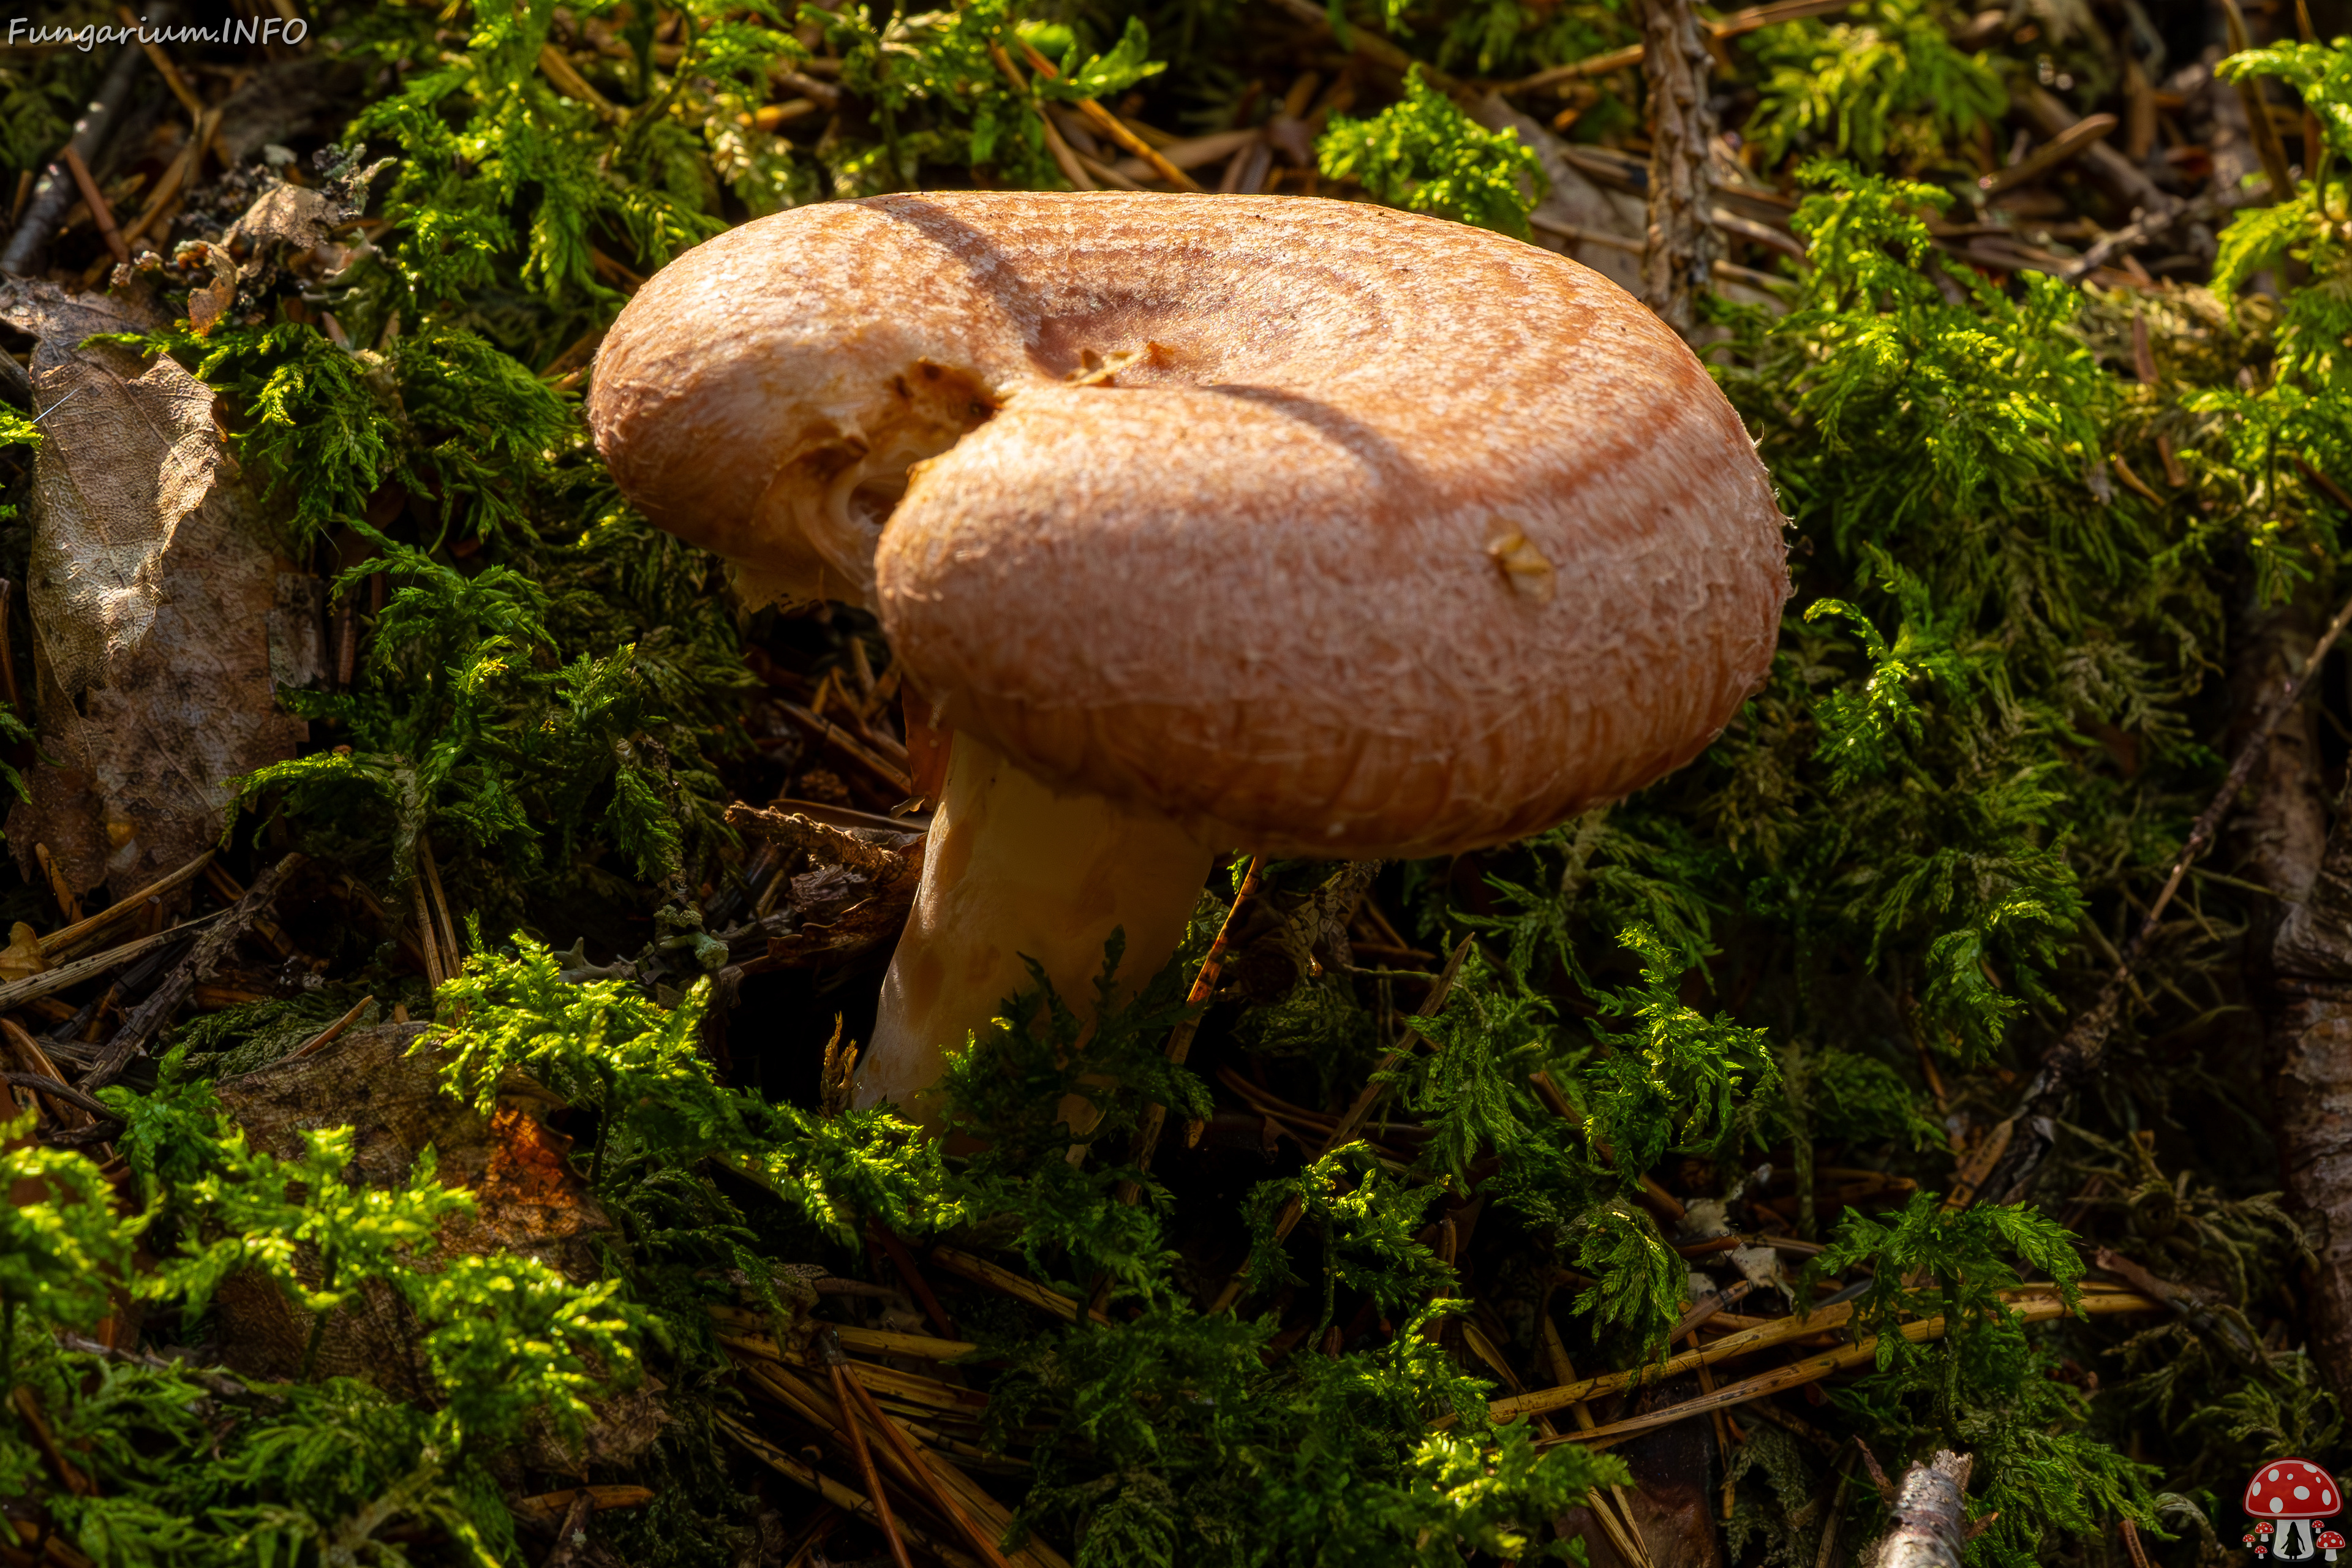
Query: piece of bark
[(529, 1202), (2299, 966), (2268, 705), (1927, 1523), (2281, 833), (1682, 249)]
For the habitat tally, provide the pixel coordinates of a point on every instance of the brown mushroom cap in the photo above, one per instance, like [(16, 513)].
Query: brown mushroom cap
[(1317, 526), (1396, 537)]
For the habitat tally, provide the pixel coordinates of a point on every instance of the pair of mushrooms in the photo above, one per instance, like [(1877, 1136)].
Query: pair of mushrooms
[(1202, 524)]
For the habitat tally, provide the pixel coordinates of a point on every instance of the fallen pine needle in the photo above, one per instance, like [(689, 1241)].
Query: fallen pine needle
[(1814, 1368), (831, 1490)]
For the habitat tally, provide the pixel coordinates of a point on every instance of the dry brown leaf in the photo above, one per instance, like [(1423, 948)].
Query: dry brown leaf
[(298, 631), (129, 452), (151, 587), (192, 710), (23, 956), (287, 216), (209, 302)]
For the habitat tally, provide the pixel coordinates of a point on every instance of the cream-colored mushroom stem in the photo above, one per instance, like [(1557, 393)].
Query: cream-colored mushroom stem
[(1013, 869)]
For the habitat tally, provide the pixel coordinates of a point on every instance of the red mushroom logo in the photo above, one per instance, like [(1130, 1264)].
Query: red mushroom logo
[(2288, 1498)]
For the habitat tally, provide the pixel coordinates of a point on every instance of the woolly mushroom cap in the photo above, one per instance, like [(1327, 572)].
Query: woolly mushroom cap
[(1319, 527), (1323, 527), (2292, 1489)]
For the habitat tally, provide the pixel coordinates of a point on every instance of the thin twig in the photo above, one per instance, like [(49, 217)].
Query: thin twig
[(2076, 138), (1746, 1342), (1751, 20), (865, 1342), (981, 1271), (2326, 486), (33, 1060), (445, 923), (101, 212), (332, 1033), (16, 993), (163, 66), (904, 1262), (58, 943), (804, 1401), (54, 192), (1827, 1555), (1701, 1312), (1622, 1532), (2076, 1056), (1368, 43), (211, 948), (2267, 145), (1814, 1368), (1064, 157), (40, 1084), (548, 1508), (848, 745), (178, 177), (1112, 126), (1179, 1038), (823, 841)]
